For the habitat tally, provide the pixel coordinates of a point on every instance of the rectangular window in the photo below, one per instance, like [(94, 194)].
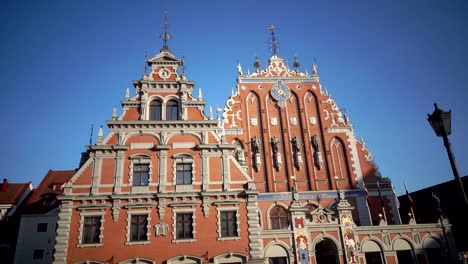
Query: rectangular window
[(184, 173), (139, 228), (184, 226), (38, 254), (140, 174), (228, 224), (91, 230), (41, 227)]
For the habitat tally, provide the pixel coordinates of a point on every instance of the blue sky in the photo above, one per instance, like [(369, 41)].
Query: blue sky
[(65, 65)]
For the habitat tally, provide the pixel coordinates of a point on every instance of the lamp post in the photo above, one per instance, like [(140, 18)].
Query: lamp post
[(441, 123)]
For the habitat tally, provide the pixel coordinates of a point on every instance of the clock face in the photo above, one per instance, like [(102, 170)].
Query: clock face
[(280, 92)]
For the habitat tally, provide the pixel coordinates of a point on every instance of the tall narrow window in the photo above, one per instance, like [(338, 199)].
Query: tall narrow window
[(156, 110), (91, 230), (138, 228), (184, 173), (140, 174), (279, 218), (172, 110), (184, 223), (228, 224)]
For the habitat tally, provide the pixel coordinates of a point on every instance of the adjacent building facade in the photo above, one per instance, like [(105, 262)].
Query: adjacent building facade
[(278, 176), (12, 196), (38, 220)]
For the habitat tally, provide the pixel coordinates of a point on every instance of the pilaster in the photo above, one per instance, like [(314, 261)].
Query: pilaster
[(63, 231), (253, 223), (96, 177), (162, 170), (119, 167)]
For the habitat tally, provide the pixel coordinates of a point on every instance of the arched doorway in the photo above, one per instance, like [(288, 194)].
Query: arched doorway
[(276, 254), (404, 251), (326, 252), (372, 252), (433, 250)]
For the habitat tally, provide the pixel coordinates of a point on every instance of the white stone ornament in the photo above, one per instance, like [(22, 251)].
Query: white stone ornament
[(274, 121), (127, 94), (312, 120), (293, 121), (253, 121)]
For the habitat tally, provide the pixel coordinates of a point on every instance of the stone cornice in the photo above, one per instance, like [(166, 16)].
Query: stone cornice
[(107, 147), (163, 124)]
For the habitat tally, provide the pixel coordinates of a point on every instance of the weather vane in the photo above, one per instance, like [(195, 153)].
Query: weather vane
[(165, 36), (273, 40)]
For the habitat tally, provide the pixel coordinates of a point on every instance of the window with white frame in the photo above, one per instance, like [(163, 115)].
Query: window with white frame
[(172, 110), (140, 174), (229, 223), (139, 227), (91, 229), (155, 110), (184, 225), (184, 171), (140, 170)]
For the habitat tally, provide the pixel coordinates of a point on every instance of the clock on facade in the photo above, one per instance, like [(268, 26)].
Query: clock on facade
[(280, 92)]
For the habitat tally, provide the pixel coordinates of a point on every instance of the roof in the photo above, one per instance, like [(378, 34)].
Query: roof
[(13, 192), (43, 199)]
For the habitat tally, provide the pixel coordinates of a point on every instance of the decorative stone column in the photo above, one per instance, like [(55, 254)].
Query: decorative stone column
[(301, 236), (347, 225), (253, 223), (63, 232)]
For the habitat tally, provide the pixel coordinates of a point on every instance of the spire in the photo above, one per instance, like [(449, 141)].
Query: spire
[(314, 68), (296, 63), (165, 36), (114, 113), (145, 69), (273, 41), (211, 113), (99, 137), (91, 135), (127, 94), (257, 64), (200, 95)]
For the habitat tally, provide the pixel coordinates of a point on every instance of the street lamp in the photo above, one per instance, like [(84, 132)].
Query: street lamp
[(441, 123)]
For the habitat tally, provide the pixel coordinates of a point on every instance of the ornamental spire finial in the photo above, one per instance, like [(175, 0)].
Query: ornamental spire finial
[(165, 36), (273, 41)]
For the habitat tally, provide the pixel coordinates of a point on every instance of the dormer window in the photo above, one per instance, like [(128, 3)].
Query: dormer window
[(156, 110), (172, 110)]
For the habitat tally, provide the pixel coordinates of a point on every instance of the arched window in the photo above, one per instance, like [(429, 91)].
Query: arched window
[(279, 218), (156, 110), (172, 110)]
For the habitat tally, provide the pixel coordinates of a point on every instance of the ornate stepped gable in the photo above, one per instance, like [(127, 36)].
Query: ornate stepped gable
[(282, 108)]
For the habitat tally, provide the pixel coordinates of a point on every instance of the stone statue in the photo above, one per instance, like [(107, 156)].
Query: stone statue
[(274, 143), (256, 144), (296, 144), (316, 142), (239, 69), (314, 69)]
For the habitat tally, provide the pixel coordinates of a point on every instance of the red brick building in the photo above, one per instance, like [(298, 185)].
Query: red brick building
[(279, 178)]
